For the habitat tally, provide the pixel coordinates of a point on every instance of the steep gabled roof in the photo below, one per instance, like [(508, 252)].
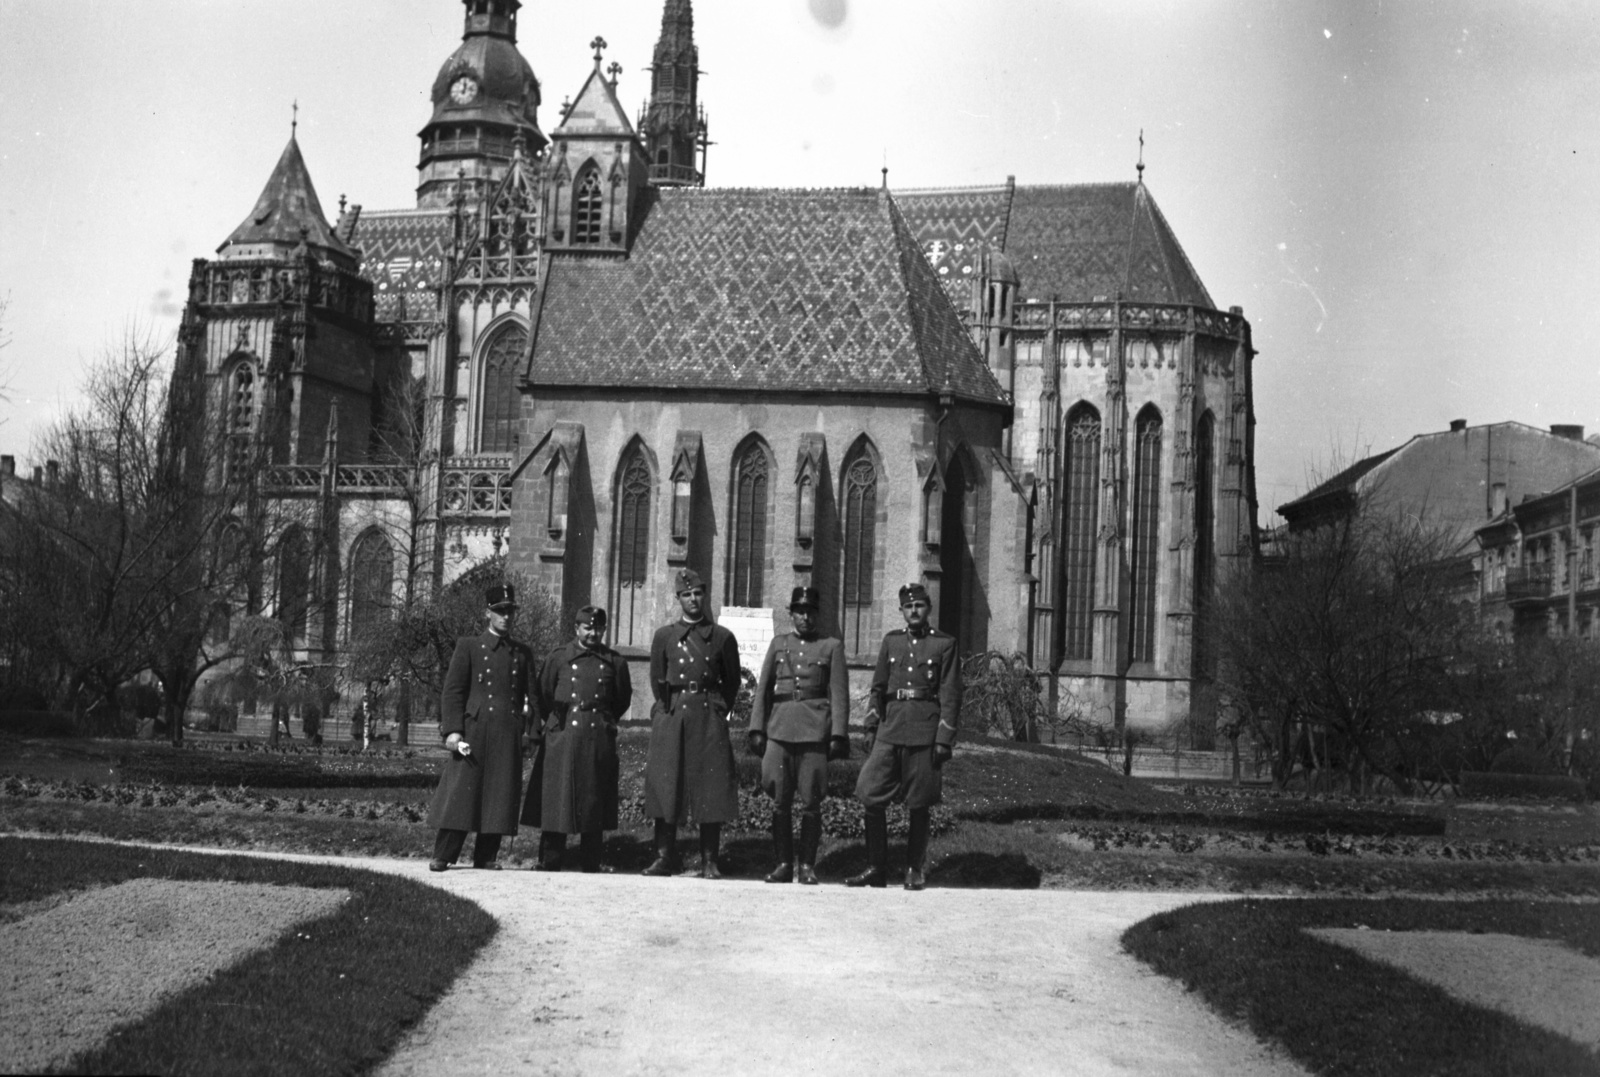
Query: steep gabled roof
[(954, 226), (402, 254), (772, 290), (596, 111), (288, 204)]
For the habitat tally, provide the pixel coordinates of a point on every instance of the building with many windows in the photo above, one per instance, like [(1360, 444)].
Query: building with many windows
[(574, 353)]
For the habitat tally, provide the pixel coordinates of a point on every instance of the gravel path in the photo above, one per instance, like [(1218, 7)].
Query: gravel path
[(1539, 981), (71, 973)]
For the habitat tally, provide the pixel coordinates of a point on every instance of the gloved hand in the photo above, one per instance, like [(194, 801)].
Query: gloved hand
[(941, 755), (838, 748), (758, 742)]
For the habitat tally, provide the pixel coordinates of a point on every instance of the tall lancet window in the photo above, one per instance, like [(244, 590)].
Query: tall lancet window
[(1205, 514), (630, 605), (371, 582), (499, 400), (1146, 533), (749, 527), (860, 548), (241, 419), (294, 584), (1080, 523), (587, 201)]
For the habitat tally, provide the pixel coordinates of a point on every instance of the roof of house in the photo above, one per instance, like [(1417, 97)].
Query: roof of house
[(1076, 242), (767, 289)]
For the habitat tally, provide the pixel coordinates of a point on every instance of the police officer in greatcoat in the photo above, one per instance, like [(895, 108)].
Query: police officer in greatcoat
[(798, 723), (688, 774), (483, 719), (911, 721), (583, 691)]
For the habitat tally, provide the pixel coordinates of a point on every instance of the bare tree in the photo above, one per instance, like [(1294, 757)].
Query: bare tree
[(1333, 647)]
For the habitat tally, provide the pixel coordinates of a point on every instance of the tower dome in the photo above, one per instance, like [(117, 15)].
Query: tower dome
[(484, 97)]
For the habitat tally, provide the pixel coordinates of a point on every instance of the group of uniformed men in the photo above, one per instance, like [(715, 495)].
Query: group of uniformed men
[(493, 709)]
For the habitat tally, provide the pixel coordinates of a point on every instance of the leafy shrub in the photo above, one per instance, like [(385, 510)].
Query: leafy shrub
[(1520, 759), (1490, 784), (39, 723)]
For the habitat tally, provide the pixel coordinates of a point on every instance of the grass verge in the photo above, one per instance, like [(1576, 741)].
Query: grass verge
[(1342, 1015), (338, 1007)]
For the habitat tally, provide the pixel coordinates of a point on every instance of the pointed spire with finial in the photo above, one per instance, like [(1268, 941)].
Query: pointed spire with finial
[(294, 118), (599, 47), (1140, 166)]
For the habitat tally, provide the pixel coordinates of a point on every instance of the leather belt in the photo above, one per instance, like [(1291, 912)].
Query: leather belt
[(799, 695), (913, 693), (696, 687)]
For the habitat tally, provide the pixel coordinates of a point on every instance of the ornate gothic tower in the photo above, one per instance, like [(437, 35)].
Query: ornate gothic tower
[(674, 127), (484, 98)]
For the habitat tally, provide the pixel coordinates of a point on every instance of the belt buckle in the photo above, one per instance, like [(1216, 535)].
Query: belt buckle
[(903, 693)]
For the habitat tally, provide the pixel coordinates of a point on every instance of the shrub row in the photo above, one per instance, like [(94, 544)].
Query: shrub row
[(1329, 844), (1488, 784), (38, 723)]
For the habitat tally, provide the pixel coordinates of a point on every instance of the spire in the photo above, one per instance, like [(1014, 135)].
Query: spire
[(674, 125), (287, 214), (1140, 166)]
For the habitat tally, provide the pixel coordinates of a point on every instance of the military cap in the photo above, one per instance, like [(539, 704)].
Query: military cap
[(688, 580), (592, 616), (501, 596), (913, 592), (805, 598)]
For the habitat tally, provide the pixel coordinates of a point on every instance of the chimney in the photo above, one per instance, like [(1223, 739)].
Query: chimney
[(1568, 431), (38, 474), (1457, 425), (52, 474), (8, 466)]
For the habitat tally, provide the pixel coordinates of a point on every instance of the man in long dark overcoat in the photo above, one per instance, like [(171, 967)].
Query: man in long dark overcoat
[(688, 774), (798, 722), (583, 691), (482, 718), (911, 720)]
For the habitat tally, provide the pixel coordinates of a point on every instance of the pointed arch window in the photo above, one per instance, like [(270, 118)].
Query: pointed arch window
[(1146, 531), (745, 584), (294, 585), (1204, 540), (633, 549), (558, 476), (241, 419), (1080, 524), (860, 548), (371, 583), (587, 200), (499, 399)]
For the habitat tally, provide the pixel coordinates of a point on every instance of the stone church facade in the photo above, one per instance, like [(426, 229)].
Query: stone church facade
[(574, 353)]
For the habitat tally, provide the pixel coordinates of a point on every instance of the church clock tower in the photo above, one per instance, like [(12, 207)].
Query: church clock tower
[(485, 99)]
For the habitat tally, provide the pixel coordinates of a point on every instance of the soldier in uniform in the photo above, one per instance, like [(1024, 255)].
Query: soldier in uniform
[(483, 719), (583, 691), (911, 723), (797, 724), (688, 774)]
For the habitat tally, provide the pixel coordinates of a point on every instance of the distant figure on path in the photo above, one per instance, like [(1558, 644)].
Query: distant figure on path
[(582, 692), (483, 719), (911, 720), (798, 723), (694, 675)]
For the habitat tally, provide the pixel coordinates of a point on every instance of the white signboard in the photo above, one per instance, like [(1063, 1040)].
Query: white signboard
[(752, 627)]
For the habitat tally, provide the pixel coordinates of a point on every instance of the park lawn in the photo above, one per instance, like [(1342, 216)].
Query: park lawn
[(381, 961), (1342, 1015)]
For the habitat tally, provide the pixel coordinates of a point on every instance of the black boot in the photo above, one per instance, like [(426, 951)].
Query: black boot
[(666, 861), (917, 850), (552, 850), (589, 849), (710, 839), (810, 838), (877, 873), (783, 845)]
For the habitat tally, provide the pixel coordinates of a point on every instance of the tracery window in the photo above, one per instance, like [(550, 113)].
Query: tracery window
[(860, 548), (371, 582), (1080, 521), (498, 400), (633, 549), (749, 528), (241, 419), (294, 584), (586, 205), (1146, 527)]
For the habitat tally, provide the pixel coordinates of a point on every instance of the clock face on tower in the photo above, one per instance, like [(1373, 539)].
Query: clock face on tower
[(463, 89)]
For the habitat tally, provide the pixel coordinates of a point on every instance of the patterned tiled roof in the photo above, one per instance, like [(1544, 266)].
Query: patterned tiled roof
[(776, 290), (954, 226), (1103, 239), (402, 254)]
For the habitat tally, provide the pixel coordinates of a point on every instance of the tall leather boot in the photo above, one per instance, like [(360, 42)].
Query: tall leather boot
[(917, 850), (783, 845), (877, 873), (710, 839), (810, 838), (666, 861), (552, 850)]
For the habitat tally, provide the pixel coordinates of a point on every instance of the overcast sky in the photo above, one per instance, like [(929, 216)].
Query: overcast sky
[(1401, 196)]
